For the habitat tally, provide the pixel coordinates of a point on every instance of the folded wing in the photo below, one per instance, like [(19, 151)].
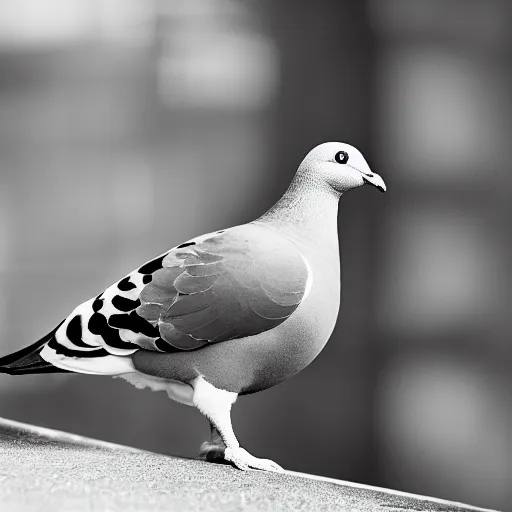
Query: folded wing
[(221, 286), (239, 283)]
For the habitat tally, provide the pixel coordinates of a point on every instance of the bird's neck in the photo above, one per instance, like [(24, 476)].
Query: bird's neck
[(307, 212)]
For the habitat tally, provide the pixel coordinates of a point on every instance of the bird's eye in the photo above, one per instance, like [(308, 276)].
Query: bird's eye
[(341, 157)]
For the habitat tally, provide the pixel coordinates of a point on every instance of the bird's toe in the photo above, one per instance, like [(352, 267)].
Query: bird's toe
[(272, 466), (243, 460)]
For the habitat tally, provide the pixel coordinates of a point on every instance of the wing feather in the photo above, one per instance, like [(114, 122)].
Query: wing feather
[(236, 284), (218, 287)]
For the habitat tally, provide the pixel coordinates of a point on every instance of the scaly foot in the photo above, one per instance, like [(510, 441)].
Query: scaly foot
[(243, 460)]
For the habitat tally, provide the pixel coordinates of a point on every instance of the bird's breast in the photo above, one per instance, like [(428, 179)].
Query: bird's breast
[(290, 347)]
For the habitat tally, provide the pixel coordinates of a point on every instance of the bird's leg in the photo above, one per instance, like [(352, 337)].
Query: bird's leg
[(216, 404), (213, 450)]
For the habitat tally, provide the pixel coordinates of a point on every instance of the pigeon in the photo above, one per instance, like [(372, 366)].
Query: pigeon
[(229, 313)]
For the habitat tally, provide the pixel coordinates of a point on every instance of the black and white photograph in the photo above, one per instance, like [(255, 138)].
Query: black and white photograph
[(254, 255)]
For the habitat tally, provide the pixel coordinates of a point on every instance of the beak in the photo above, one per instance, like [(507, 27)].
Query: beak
[(375, 180)]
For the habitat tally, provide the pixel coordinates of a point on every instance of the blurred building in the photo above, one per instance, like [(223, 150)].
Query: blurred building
[(444, 122), (129, 126)]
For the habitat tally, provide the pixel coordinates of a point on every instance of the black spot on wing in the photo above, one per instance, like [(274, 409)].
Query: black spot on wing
[(97, 304), (74, 332), (186, 244), (162, 345), (124, 304), (126, 285), (135, 323), (147, 279), (98, 325), (153, 265), (59, 349)]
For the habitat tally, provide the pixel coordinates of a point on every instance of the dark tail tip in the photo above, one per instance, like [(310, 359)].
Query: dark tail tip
[(27, 360)]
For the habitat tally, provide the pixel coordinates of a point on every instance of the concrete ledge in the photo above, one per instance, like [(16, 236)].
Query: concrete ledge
[(47, 470)]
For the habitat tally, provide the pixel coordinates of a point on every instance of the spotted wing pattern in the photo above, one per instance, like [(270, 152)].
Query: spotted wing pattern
[(220, 286), (109, 324)]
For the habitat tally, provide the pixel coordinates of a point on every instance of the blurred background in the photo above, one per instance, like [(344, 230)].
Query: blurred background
[(130, 126)]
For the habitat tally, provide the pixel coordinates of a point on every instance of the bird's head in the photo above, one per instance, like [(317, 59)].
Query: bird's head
[(341, 166)]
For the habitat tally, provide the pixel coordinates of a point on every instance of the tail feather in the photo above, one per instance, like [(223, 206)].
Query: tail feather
[(27, 360), (49, 368)]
